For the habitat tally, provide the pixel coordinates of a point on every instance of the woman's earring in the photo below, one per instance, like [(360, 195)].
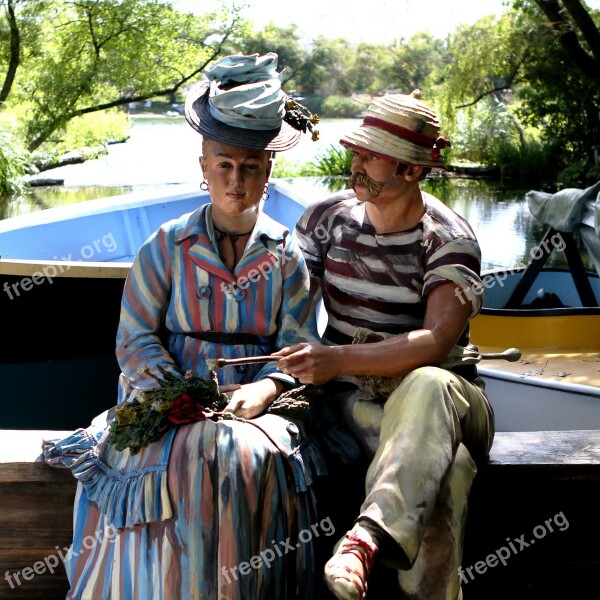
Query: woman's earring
[(204, 185), (265, 195)]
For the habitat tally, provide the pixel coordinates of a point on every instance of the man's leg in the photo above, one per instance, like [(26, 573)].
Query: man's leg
[(434, 575), (422, 425), (424, 421)]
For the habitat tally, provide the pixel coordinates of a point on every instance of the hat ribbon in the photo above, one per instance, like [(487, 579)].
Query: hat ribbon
[(411, 136)]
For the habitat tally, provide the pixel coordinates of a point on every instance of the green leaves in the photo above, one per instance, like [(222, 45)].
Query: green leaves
[(90, 55), (333, 162), (13, 165)]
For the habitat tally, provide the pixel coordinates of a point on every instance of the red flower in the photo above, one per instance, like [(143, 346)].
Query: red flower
[(186, 410)]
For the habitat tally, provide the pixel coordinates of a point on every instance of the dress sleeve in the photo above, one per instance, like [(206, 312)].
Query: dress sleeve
[(145, 301), (296, 319)]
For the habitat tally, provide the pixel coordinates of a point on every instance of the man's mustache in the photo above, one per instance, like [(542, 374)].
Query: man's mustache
[(373, 187)]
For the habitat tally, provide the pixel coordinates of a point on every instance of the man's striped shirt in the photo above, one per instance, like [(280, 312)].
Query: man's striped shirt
[(381, 282)]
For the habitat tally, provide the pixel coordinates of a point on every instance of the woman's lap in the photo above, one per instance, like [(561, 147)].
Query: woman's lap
[(238, 510)]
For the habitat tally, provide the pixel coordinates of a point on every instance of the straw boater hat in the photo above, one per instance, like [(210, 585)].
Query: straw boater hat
[(241, 103), (400, 127)]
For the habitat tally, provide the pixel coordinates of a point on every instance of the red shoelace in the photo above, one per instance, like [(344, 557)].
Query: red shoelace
[(365, 552)]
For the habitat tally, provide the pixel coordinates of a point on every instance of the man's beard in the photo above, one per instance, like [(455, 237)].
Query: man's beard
[(373, 187)]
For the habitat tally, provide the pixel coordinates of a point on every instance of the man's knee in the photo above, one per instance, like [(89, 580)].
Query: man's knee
[(425, 392), (423, 383), (428, 375)]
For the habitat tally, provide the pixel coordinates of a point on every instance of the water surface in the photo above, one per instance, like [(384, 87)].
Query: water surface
[(162, 153)]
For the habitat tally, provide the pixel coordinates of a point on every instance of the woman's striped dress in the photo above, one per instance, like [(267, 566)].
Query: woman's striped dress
[(214, 510)]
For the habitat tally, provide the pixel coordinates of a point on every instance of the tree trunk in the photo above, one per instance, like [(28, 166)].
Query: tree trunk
[(15, 52), (563, 27)]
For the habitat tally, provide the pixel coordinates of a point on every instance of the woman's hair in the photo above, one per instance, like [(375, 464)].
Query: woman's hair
[(206, 139)]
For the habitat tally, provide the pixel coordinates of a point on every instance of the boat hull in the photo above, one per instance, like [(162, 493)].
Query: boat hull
[(556, 385), (59, 369), (528, 403)]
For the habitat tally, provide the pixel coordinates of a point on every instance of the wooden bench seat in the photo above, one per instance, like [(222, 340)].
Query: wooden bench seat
[(36, 518), (539, 492), (531, 479)]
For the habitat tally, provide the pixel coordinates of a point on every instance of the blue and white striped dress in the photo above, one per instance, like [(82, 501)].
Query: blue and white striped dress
[(214, 509)]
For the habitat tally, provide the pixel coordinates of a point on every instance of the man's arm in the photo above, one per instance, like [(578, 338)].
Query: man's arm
[(446, 318)]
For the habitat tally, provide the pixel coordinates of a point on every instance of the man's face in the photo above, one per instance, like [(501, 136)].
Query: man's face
[(374, 176)]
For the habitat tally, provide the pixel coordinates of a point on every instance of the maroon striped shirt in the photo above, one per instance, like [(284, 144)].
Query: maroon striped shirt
[(381, 281)]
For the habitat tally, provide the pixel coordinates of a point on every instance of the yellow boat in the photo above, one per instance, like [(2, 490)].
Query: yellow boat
[(552, 316)]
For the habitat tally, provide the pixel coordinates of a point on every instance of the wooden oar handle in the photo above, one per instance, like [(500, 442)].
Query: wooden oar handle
[(225, 362), (511, 355)]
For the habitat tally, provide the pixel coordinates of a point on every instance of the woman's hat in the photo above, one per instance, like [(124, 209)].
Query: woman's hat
[(400, 127), (241, 103)]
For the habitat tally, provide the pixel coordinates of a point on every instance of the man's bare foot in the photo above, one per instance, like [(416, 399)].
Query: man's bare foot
[(347, 571)]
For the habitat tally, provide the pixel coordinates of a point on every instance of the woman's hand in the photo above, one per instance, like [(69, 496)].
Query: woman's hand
[(310, 363), (252, 399)]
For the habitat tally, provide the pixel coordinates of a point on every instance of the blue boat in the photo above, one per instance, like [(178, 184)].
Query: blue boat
[(62, 270), (62, 265)]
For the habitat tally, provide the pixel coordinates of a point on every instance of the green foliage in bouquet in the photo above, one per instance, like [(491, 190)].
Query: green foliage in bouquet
[(175, 401)]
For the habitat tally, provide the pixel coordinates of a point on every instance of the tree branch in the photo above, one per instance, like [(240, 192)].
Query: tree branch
[(147, 96), (568, 39), (586, 25), (507, 85), (126, 99), (502, 88)]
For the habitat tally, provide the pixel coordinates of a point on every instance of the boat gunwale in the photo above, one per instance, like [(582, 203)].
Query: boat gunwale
[(98, 206), (560, 386), (567, 311), (64, 268)]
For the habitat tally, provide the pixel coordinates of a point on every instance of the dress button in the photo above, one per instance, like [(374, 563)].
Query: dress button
[(239, 294), (204, 292), (241, 368), (293, 428)]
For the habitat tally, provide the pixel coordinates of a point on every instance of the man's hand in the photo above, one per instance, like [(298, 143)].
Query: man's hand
[(446, 317), (310, 363)]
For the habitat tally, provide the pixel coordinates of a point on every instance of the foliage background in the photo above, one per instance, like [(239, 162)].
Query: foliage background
[(518, 94)]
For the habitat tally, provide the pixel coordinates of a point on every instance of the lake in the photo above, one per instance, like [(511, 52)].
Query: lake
[(162, 153)]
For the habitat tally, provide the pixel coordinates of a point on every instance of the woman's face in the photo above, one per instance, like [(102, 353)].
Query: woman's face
[(236, 177)]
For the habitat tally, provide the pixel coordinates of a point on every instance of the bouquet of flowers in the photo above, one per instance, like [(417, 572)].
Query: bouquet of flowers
[(175, 401)]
